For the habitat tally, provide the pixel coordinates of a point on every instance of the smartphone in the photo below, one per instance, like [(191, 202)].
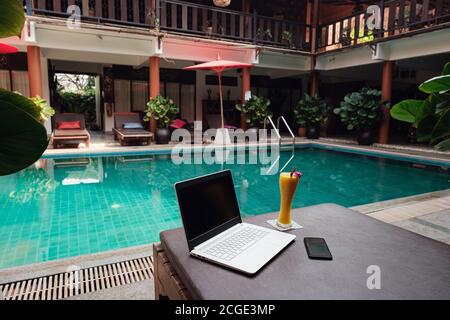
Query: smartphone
[(317, 249)]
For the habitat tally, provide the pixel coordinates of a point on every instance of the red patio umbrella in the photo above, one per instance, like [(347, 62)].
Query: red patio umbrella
[(219, 66), (6, 48)]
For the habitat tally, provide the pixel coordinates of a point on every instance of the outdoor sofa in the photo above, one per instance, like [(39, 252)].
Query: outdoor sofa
[(128, 128), (69, 129)]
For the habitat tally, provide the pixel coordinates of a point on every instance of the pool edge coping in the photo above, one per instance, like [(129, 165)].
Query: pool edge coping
[(400, 155)]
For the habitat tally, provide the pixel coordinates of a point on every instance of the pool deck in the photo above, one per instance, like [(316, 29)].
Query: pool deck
[(426, 214), (104, 144)]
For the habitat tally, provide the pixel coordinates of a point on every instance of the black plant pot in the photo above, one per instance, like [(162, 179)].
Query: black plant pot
[(366, 138), (162, 136), (313, 133)]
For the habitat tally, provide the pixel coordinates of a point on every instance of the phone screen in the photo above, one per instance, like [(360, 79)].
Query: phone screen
[(317, 249)]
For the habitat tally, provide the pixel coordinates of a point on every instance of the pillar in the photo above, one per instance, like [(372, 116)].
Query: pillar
[(247, 8), (314, 23), (386, 95), (314, 89), (154, 85), (245, 88), (85, 4), (34, 71)]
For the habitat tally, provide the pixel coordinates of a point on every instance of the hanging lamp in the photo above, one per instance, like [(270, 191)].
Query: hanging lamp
[(222, 3)]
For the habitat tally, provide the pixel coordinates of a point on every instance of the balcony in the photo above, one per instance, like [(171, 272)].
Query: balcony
[(398, 18), (184, 18)]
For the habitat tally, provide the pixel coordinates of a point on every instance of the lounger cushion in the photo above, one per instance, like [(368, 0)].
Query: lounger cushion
[(71, 133), (69, 125), (178, 124), (134, 133), (133, 125)]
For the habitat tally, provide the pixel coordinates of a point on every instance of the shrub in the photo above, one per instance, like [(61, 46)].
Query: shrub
[(361, 110), (45, 111), (311, 111), (163, 110), (256, 110)]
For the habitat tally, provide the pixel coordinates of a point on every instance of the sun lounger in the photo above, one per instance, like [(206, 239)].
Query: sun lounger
[(128, 128), (69, 129)]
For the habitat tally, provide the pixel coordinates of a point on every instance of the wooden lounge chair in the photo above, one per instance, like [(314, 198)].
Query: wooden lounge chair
[(126, 135), (71, 135)]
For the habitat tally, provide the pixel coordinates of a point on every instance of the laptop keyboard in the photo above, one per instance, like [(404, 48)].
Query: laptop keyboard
[(231, 247)]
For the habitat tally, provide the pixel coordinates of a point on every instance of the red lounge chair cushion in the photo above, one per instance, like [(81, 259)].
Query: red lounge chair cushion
[(69, 125), (178, 124)]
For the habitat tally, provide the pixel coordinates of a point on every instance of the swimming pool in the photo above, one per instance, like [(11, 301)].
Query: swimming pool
[(73, 207)]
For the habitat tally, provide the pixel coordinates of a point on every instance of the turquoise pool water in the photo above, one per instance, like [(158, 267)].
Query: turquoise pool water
[(91, 205)]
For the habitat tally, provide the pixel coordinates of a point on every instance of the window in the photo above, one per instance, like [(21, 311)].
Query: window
[(173, 92), (187, 107), (139, 95), (20, 82), (5, 80), (122, 95)]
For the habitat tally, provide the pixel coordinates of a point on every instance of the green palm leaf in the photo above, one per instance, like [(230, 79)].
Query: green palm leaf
[(23, 139), (12, 18)]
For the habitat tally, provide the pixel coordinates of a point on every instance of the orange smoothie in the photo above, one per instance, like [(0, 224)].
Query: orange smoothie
[(288, 186)]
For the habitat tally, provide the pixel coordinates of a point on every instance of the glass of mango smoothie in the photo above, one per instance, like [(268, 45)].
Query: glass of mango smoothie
[(288, 186)]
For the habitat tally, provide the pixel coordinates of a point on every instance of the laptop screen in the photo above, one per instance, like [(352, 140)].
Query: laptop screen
[(208, 206)]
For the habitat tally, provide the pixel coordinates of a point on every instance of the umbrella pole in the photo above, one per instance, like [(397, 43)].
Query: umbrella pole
[(221, 98)]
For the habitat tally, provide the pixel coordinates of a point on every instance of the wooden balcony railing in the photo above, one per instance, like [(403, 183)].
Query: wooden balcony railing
[(117, 12), (397, 17), (184, 18)]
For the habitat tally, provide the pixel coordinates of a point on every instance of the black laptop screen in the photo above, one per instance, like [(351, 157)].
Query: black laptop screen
[(206, 204)]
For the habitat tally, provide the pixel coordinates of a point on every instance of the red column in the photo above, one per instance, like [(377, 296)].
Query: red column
[(34, 70), (314, 73), (386, 95), (154, 85), (245, 88), (314, 82)]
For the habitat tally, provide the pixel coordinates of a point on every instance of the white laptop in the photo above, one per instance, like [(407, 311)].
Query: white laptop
[(214, 228)]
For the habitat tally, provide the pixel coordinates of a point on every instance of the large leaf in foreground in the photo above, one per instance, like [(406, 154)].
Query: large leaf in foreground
[(436, 85), (444, 145), (20, 102), (446, 70), (12, 18), (442, 129), (406, 110), (23, 139)]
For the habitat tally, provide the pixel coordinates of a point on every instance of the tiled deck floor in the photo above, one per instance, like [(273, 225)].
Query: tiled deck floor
[(427, 215)]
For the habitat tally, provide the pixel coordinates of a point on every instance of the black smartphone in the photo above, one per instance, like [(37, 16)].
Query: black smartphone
[(317, 249)]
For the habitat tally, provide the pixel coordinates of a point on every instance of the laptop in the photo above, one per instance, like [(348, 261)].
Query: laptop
[(214, 228)]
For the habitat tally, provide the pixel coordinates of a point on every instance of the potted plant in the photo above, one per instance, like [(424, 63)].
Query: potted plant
[(430, 118), (208, 28), (361, 111), (255, 111), (42, 107), (163, 111), (288, 39), (345, 38), (264, 34), (310, 113)]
